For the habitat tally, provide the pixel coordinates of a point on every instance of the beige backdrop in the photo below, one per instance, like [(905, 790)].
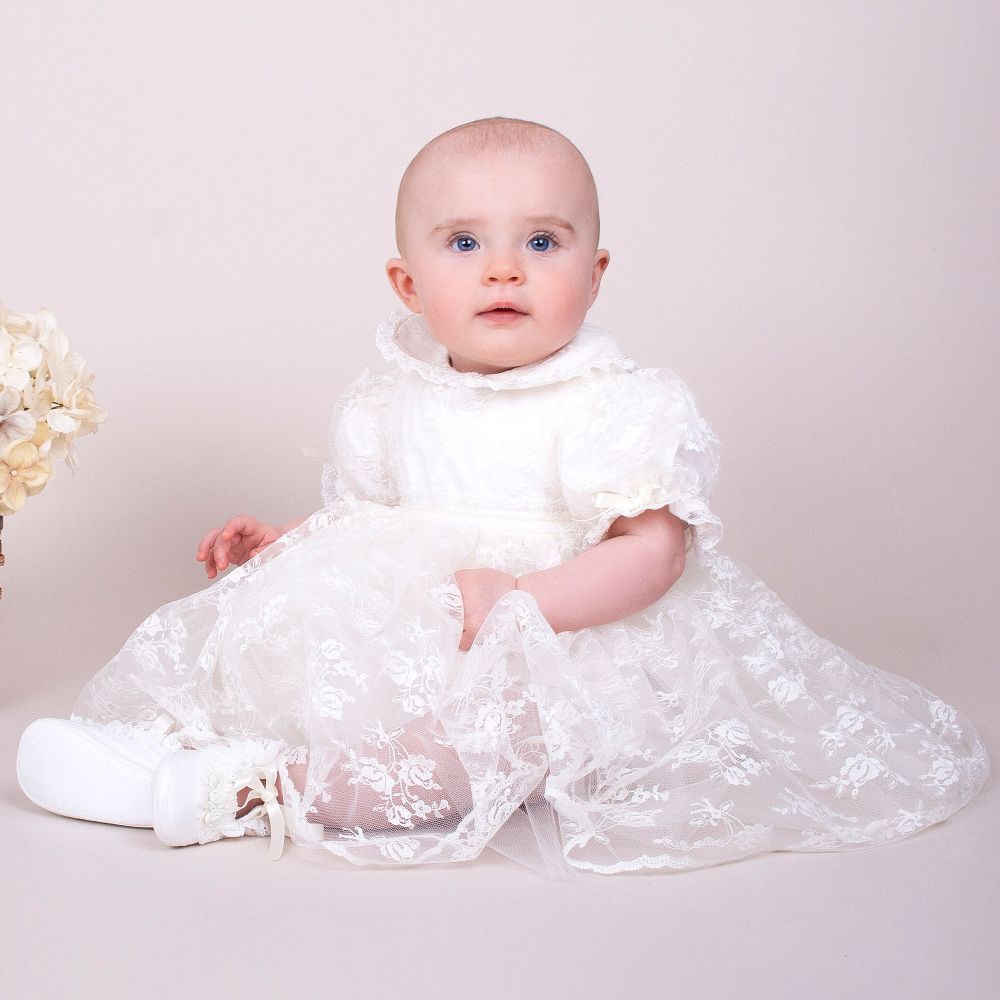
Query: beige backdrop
[(801, 207), (800, 201)]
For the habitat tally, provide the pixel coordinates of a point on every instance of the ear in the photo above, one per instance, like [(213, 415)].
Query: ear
[(402, 283), (601, 260)]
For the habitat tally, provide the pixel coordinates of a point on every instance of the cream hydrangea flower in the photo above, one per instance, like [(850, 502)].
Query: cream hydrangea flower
[(23, 325), (60, 361), (46, 401), (19, 356), (77, 414), (15, 424), (62, 394), (23, 473)]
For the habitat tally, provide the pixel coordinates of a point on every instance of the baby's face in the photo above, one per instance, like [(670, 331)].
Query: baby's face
[(500, 227)]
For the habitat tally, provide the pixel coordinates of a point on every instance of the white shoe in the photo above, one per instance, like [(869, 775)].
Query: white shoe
[(91, 771), (195, 794)]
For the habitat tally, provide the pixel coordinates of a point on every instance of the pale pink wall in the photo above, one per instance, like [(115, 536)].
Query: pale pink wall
[(801, 206)]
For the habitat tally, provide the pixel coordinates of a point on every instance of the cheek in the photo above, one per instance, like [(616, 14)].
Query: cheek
[(441, 284), (568, 291), (443, 314)]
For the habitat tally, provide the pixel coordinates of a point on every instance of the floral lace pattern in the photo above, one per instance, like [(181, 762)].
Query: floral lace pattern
[(710, 726), (217, 798), (140, 731)]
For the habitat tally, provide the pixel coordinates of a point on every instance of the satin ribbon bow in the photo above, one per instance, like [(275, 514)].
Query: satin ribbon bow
[(268, 792), (606, 500)]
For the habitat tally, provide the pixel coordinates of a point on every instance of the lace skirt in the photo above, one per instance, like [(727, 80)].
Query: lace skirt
[(711, 726)]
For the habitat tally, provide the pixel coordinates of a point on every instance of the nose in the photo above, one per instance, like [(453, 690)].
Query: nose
[(503, 268)]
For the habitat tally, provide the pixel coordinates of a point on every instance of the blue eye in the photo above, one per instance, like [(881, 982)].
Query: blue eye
[(464, 237), (547, 237)]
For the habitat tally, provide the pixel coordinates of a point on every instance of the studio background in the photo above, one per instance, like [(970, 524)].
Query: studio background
[(801, 205)]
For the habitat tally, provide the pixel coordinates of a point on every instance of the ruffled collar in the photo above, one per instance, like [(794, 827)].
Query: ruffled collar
[(403, 337)]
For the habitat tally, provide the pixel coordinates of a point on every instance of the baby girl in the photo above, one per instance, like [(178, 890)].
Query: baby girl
[(510, 625)]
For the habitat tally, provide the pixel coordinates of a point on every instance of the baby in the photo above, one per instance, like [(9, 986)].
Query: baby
[(497, 227), (596, 688)]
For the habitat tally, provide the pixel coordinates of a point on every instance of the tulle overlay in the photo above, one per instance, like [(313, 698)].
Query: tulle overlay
[(710, 726)]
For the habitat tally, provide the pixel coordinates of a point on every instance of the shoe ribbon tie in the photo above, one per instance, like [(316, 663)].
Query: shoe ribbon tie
[(267, 791)]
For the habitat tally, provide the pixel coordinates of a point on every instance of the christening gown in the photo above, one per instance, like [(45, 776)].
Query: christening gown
[(710, 726)]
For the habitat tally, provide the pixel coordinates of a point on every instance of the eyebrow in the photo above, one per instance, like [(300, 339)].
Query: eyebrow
[(535, 220)]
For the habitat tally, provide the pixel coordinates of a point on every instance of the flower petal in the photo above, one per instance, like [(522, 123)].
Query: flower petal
[(16, 378), (34, 477), (27, 354), (17, 427), (15, 496), (10, 400), (62, 422), (21, 454)]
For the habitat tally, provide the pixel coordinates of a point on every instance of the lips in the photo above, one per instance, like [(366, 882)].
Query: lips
[(502, 317), (503, 308)]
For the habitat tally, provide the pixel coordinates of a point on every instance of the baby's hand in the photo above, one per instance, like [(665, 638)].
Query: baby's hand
[(238, 540), (481, 589)]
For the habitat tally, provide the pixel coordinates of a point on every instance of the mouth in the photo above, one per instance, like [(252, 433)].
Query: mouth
[(503, 313)]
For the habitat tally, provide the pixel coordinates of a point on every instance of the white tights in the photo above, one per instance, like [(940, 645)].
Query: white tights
[(358, 804)]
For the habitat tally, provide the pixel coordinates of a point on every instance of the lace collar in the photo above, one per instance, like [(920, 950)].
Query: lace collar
[(403, 337)]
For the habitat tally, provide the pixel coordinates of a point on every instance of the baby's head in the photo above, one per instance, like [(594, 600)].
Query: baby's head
[(498, 210)]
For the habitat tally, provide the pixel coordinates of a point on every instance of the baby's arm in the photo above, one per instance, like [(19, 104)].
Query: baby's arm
[(635, 565)]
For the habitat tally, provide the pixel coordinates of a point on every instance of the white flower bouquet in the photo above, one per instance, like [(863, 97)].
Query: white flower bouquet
[(45, 403)]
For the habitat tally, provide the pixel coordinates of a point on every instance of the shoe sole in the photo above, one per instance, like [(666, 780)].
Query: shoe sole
[(74, 771)]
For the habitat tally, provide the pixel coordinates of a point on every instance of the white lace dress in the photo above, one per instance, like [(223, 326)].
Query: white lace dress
[(711, 726)]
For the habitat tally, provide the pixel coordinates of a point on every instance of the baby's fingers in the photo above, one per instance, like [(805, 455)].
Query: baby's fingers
[(242, 524), (226, 551), (206, 544), (230, 545), (209, 552)]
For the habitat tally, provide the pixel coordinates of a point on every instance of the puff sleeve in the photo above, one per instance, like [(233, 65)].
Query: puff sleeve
[(639, 443), (359, 442)]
